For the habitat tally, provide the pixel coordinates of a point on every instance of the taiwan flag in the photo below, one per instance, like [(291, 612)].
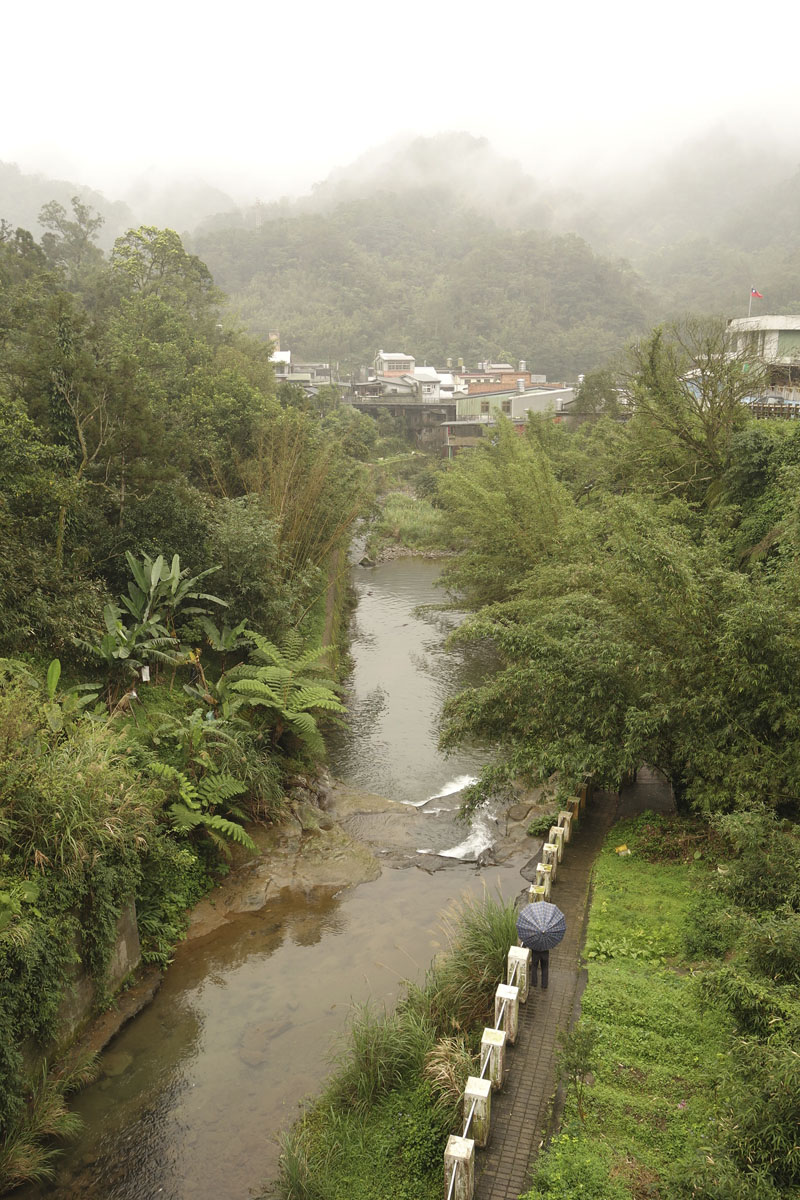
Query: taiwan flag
[(756, 295)]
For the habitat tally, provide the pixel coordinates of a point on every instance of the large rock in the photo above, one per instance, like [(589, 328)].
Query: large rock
[(529, 870)]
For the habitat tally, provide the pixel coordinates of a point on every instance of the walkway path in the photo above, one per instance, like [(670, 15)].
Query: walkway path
[(520, 1111)]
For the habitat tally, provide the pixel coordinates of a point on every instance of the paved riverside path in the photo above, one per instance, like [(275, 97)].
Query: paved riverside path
[(520, 1110)]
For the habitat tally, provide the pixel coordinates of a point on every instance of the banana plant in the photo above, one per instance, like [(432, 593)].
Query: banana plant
[(61, 708), (133, 645), (158, 590), (223, 639)]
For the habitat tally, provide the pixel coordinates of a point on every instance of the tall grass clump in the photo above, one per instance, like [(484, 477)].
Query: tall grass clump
[(458, 991), (382, 1051), (28, 1150)]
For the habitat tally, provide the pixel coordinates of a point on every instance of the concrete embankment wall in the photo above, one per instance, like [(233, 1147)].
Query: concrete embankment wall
[(78, 1005)]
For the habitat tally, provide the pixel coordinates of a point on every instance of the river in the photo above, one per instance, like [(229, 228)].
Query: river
[(194, 1091)]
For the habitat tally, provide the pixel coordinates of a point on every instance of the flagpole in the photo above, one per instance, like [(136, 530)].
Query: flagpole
[(750, 304)]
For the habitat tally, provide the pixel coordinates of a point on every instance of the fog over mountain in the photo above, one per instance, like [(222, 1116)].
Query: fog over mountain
[(712, 185), (446, 246)]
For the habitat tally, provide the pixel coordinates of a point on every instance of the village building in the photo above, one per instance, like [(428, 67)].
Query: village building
[(775, 340), (478, 415), (498, 377)]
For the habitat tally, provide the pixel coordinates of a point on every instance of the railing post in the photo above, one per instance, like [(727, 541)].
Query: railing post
[(478, 1092), (583, 794), (574, 806), (550, 856), (506, 999), (459, 1157), (519, 957), (493, 1048), (565, 821), (544, 873), (536, 892), (557, 838)]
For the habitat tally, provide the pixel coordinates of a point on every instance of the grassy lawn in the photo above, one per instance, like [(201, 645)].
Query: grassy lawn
[(652, 1074)]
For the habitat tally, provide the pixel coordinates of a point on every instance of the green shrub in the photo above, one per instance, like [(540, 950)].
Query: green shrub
[(773, 947), (764, 872), (573, 1169), (540, 826), (710, 929), (382, 1051), (174, 878), (754, 1002), (757, 1151)]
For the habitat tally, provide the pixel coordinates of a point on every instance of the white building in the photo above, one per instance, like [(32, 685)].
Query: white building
[(776, 340), (394, 363)]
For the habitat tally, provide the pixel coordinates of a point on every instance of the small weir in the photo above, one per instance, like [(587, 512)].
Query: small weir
[(194, 1091)]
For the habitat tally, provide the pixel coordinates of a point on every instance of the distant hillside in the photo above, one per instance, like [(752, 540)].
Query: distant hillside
[(180, 204), (715, 218), (418, 270)]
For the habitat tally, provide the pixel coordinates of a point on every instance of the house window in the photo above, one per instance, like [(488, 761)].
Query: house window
[(484, 408), (506, 407)]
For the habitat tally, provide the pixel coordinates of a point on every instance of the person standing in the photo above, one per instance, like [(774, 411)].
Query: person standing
[(540, 959)]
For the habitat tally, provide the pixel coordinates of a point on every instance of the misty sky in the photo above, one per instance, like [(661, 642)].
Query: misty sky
[(264, 98)]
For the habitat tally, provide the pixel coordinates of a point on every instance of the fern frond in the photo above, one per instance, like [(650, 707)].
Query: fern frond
[(229, 829), (218, 788), (317, 697), (256, 689), (184, 819)]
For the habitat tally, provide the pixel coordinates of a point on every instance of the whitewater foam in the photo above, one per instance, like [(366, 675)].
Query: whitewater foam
[(455, 785)]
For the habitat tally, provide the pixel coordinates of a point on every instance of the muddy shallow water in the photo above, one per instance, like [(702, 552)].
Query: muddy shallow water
[(194, 1091)]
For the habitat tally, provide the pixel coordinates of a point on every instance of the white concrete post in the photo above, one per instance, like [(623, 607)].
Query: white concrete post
[(493, 1047), (479, 1093), (459, 1156), (544, 872), (519, 957), (550, 857), (536, 892), (557, 837), (510, 997), (575, 806), (565, 821), (583, 794)]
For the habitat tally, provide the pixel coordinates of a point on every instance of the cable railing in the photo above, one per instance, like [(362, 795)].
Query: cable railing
[(459, 1156)]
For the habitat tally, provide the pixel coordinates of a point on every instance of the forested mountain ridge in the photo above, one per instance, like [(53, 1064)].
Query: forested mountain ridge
[(423, 272), (447, 249)]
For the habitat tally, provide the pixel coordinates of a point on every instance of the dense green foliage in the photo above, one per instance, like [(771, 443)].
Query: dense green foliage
[(614, 571)]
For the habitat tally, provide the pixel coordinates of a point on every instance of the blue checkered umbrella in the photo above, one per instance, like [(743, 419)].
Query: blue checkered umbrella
[(541, 926)]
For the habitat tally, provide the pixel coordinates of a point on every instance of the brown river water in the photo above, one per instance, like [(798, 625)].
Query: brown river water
[(194, 1091)]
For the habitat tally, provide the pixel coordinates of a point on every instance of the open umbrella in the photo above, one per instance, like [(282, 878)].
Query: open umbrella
[(541, 926)]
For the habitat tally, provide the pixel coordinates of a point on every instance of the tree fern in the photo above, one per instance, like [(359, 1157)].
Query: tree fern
[(184, 820), (197, 800)]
